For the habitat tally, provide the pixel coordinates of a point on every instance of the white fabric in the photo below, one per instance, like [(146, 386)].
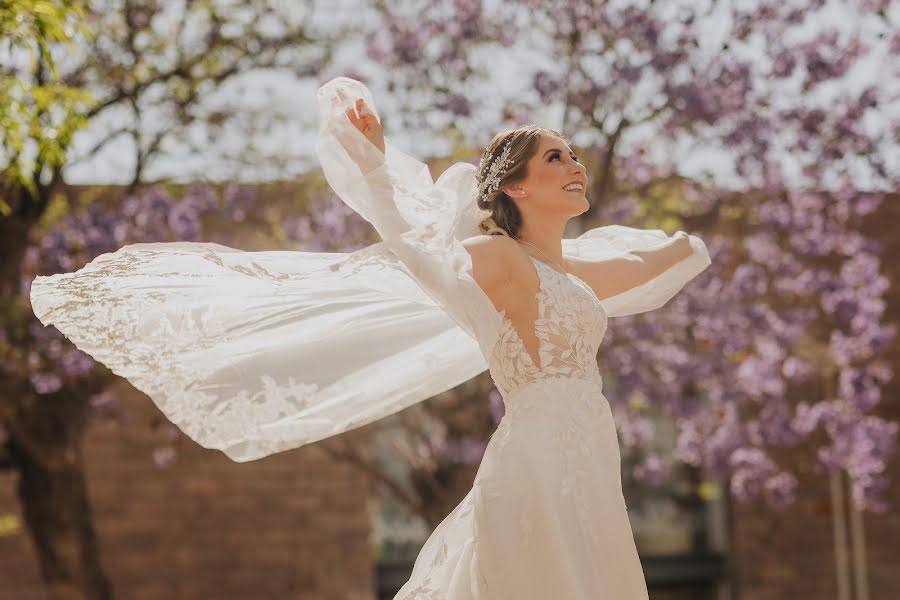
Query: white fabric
[(546, 517), (254, 353)]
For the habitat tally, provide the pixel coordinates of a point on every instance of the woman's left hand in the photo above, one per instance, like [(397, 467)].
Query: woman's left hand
[(367, 124)]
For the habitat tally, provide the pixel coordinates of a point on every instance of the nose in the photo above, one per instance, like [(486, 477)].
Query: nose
[(577, 166)]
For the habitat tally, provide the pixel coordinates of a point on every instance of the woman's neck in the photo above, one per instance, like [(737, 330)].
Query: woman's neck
[(544, 245)]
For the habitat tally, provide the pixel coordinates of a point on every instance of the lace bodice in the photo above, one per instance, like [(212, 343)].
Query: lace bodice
[(569, 326)]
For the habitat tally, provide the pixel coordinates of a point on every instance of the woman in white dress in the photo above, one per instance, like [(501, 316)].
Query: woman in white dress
[(255, 353), (546, 517)]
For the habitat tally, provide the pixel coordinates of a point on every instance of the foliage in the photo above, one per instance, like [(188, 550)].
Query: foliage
[(40, 109)]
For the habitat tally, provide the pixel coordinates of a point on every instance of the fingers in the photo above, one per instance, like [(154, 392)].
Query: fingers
[(360, 117), (338, 98), (358, 110)]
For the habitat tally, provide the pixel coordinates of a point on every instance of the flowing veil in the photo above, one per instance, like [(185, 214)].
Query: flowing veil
[(254, 353)]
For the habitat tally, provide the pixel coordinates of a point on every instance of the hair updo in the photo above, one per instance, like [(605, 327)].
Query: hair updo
[(504, 217)]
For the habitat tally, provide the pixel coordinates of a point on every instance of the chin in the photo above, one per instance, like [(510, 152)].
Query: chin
[(581, 207)]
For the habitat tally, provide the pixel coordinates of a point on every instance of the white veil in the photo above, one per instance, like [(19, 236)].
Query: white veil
[(254, 353)]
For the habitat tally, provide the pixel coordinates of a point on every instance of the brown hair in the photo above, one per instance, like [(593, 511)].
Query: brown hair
[(504, 217)]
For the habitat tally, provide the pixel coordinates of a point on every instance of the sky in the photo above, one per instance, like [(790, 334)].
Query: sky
[(291, 147)]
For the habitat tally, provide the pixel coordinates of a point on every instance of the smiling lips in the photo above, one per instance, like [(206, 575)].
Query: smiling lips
[(575, 186)]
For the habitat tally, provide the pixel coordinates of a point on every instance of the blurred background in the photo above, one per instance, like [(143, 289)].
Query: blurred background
[(757, 410)]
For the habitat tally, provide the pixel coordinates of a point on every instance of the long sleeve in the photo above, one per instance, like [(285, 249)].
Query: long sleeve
[(609, 240), (422, 222)]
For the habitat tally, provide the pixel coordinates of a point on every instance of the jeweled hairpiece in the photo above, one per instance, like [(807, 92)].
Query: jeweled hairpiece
[(491, 180)]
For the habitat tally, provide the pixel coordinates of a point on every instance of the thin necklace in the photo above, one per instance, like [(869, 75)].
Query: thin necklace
[(545, 256)]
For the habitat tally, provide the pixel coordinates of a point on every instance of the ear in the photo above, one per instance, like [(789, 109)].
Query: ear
[(513, 190)]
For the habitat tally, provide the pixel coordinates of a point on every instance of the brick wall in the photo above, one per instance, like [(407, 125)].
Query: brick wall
[(294, 525)]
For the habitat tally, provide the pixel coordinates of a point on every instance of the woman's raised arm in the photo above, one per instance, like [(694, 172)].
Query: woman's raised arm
[(418, 219), (611, 276), (635, 270)]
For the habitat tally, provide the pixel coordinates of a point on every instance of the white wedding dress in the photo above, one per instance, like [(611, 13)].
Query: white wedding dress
[(545, 518), (254, 353)]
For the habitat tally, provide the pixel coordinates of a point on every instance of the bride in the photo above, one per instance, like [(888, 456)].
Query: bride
[(254, 353), (546, 517)]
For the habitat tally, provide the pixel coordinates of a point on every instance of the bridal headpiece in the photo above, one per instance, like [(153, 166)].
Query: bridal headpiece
[(491, 180)]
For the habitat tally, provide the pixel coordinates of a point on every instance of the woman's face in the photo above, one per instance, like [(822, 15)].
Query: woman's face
[(552, 168)]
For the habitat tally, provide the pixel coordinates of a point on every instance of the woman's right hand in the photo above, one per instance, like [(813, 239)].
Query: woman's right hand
[(367, 124)]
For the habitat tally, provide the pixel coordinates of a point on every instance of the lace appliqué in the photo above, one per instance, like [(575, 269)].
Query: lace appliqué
[(569, 326), (425, 591), (435, 554), (138, 337)]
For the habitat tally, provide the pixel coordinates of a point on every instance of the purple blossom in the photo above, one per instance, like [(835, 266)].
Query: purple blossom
[(751, 467), (546, 86), (780, 490), (44, 383), (784, 63), (466, 451), (653, 470), (164, 456), (497, 406), (635, 431), (456, 104)]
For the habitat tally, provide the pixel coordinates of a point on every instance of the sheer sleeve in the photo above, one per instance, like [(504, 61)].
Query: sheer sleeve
[(609, 240), (255, 353), (422, 222)]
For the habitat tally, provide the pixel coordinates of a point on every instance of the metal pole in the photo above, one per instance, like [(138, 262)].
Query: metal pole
[(857, 532), (841, 558)]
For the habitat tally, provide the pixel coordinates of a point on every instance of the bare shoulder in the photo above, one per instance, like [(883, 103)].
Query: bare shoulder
[(491, 258), (494, 261)]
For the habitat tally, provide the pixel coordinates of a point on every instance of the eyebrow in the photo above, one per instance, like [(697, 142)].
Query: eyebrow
[(557, 149)]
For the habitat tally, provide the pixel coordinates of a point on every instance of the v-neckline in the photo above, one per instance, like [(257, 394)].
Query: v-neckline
[(547, 265), (537, 295)]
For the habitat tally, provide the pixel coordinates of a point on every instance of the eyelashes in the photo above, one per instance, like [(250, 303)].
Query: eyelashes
[(558, 155)]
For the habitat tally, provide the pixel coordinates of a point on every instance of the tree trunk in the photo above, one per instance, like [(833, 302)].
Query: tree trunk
[(44, 434), (44, 444)]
